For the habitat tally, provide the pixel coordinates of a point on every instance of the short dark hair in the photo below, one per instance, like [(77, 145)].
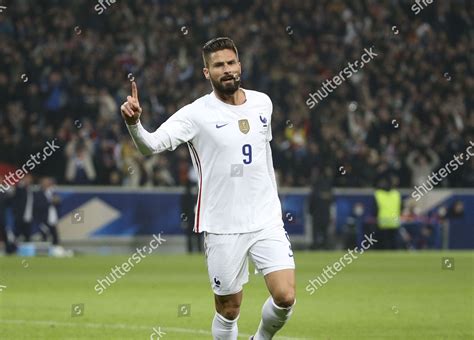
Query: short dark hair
[(217, 44)]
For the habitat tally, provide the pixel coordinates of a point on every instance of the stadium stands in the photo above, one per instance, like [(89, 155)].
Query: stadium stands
[(64, 71)]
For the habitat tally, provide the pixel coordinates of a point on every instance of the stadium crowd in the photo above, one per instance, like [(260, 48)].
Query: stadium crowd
[(65, 70)]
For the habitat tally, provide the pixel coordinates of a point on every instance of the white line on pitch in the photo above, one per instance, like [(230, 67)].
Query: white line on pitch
[(125, 326)]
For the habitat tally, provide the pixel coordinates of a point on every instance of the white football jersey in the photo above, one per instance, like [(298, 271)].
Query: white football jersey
[(230, 151)]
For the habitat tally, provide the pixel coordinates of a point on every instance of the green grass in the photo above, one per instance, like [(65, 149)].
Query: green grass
[(379, 296)]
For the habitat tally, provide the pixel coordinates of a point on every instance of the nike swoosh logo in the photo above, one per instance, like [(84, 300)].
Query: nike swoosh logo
[(219, 126)]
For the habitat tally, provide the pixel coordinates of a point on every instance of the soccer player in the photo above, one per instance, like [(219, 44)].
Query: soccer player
[(228, 134)]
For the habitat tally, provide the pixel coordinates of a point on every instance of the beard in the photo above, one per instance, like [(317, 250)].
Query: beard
[(227, 87)]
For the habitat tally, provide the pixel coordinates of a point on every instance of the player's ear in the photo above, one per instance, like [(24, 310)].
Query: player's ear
[(205, 70)]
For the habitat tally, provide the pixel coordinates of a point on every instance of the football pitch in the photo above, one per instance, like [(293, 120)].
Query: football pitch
[(381, 295)]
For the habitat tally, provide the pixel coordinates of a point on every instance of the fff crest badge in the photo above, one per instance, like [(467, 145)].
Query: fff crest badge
[(244, 126)]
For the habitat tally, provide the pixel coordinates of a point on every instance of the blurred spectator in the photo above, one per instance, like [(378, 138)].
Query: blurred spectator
[(161, 172), (46, 205), (56, 78), (456, 210), (320, 202), (188, 206), (388, 203), (80, 168), (355, 226), (422, 165), (22, 206), (5, 235), (411, 217)]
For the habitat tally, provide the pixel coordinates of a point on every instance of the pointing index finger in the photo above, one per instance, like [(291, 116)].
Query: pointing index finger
[(134, 91)]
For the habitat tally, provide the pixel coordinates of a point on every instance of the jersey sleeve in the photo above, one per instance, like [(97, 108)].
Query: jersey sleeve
[(178, 129), (270, 110), (270, 169)]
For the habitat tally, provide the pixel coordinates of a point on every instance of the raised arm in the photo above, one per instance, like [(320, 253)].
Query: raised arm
[(176, 130), (410, 160), (434, 158), (131, 109)]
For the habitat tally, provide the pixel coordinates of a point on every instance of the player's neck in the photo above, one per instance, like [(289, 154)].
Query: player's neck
[(237, 98)]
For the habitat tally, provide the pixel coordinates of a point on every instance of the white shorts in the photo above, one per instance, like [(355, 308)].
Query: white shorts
[(227, 257)]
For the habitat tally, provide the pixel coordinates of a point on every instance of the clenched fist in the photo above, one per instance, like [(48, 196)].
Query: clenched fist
[(131, 109)]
